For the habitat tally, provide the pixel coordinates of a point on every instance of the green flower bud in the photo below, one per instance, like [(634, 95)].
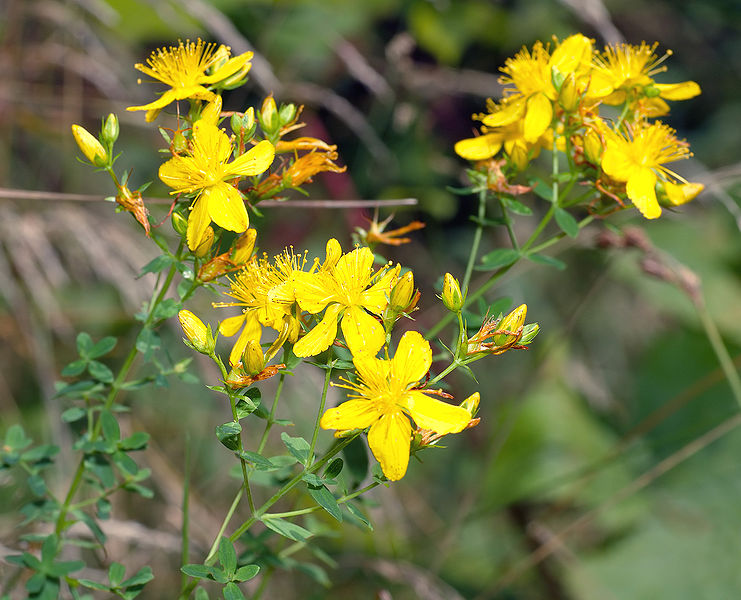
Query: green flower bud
[(471, 404), (269, 117), (529, 332), (512, 322), (402, 292), (197, 334), (253, 358), (244, 247), (90, 146), (109, 133), (287, 114), (179, 223), (206, 242), (452, 297)]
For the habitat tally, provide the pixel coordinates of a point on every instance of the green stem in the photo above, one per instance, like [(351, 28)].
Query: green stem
[(322, 402), (311, 509), (476, 240), (215, 546), (721, 352), (271, 416), (186, 515)]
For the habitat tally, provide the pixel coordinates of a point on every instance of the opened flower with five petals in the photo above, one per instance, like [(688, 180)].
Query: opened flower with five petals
[(206, 171), (386, 397)]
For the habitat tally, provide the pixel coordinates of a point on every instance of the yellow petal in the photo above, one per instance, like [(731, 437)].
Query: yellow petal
[(479, 148), (231, 325), (314, 291), (376, 297), (226, 207), (179, 93), (177, 174), (574, 51), (389, 439), (353, 414), (678, 91), (251, 331), (228, 69), (362, 332), (412, 360), (616, 163), (321, 337), (374, 372), (509, 112), (679, 194), (538, 117), (210, 142), (440, 417), (355, 268), (198, 222), (253, 162), (640, 189)]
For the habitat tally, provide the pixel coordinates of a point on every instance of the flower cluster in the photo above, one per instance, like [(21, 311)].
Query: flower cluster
[(558, 99)]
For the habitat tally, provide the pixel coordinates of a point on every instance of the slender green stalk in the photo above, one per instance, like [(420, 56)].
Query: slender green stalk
[(311, 509), (322, 402), (476, 239), (271, 416), (721, 352), (215, 546), (184, 551)]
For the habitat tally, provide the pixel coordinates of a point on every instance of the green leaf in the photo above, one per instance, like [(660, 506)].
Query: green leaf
[(103, 347), (36, 582), (542, 189), (297, 446), (43, 452), (136, 441), (356, 457), (125, 463), (74, 368), (49, 549), (166, 309), (94, 585), (289, 358), (488, 221), (312, 479), (231, 591), (116, 573), (245, 407), (91, 524), (102, 469), (257, 460), (500, 257), (356, 512), (287, 529), (198, 571), (156, 265), (73, 414), (201, 594), (566, 222), (246, 572), (142, 576), (550, 261), (517, 207), (111, 431), (84, 344), (147, 341), (228, 434), (227, 556), (324, 498), (100, 371), (15, 438), (334, 468), (37, 485), (62, 568)]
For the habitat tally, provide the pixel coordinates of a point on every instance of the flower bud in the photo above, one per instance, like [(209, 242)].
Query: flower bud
[(244, 247), (90, 146), (253, 359), (269, 118), (593, 147), (333, 253), (568, 96), (179, 223), (206, 242), (512, 322), (212, 111), (197, 334), (402, 292), (452, 297), (287, 114), (529, 332), (109, 133), (471, 404)]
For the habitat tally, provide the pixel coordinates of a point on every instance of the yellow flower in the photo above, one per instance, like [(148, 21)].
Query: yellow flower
[(350, 287), (90, 146), (384, 400), (255, 289), (638, 160), (184, 68), (205, 172), (623, 68)]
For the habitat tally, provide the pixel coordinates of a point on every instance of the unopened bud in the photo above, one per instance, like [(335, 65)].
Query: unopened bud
[(196, 333), (471, 404), (287, 114), (569, 97), (253, 359), (651, 91), (512, 323), (90, 146), (269, 118), (333, 253), (452, 297), (402, 292), (109, 133), (179, 223), (529, 332), (593, 147), (244, 247), (206, 242)]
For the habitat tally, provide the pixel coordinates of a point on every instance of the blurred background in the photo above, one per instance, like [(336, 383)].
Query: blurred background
[(606, 462)]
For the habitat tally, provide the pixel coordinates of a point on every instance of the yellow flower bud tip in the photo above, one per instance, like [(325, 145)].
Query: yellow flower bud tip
[(253, 358), (197, 334), (269, 118), (244, 247), (511, 324), (333, 253), (402, 292), (568, 96), (212, 111), (109, 133), (452, 297), (179, 223), (471, 404), (90, 146), (206, 242)]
